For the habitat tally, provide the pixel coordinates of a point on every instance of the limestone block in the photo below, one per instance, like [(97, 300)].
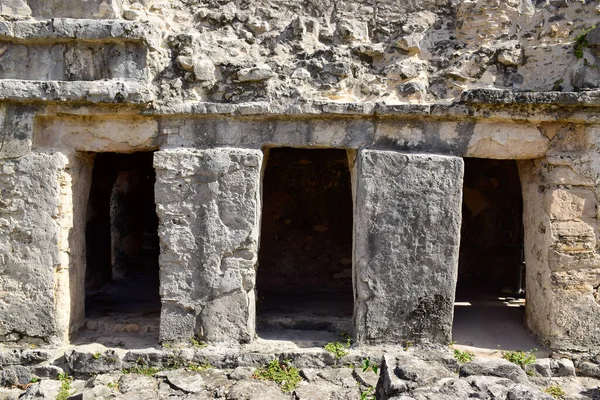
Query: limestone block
[(30, 200), (72, 62), (208, 208), (14, 8), (507, 140), (100, 9), (573, 236), (563, 204), (407, 219), (16, 130), (98, 134)]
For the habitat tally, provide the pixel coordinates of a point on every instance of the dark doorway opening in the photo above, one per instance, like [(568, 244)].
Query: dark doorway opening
[(122, 247), (490, 295), (304, 279)]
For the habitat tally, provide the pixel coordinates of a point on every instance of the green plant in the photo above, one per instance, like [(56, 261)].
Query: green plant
[(520, 358), (280, 372), (463, 356), (34, 379), (113, 385), (197, 343), (368, 365), (65, 387), (368, 394), (581, 43), (96, 355), (198, 367), (407, 345), (338, 349), (555, 391), (142, 370)]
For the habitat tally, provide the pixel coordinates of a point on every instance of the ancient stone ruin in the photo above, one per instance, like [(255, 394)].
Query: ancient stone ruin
[(225, 171)]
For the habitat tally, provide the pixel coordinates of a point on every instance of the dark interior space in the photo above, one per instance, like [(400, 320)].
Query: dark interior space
[(491, 248), (304, 279), (490, 295), (122, 238)]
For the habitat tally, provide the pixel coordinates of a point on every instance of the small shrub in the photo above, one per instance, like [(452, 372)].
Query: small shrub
[(197, 343), (142, 370), (338, 349), (280, 372), (520, 358), (198, 367), (65, 387), (463, 356), (368, 394), (555, 391), (368, 365), (581, 43)]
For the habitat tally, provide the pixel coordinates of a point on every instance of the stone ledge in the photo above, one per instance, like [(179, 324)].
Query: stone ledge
[(76, 29), (501, 96), (109, 91)]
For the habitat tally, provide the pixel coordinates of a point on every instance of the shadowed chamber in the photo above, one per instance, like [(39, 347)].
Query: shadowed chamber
[(304, 277), (122, 282), (491, 278)]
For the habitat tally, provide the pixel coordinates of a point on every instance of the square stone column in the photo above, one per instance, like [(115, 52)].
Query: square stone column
[(208, 204), (407, 236), (41, 254)]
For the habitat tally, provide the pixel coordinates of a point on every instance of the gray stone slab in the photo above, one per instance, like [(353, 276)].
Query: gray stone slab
[(16, 130), (407, 235), (30, 198), (208, 208)]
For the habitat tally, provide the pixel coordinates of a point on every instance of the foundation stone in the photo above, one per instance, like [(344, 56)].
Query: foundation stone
[(208, 208), (406, 253)]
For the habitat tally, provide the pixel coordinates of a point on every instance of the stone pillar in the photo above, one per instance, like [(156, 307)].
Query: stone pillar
[(561, 250), (40, 259), (407, 236), (208, 204)]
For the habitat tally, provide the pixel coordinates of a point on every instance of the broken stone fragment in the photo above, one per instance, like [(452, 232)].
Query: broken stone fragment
[(14, 8), (14, 375), (255, 74), (204, 70), (257, 26), (301, 73), (593, 37), (350, 30), (410, 43), (511, 57)]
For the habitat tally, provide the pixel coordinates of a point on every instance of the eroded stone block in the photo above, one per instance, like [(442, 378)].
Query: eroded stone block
[(16, 130), (30, 198), (408, 213), (104, 9), (208, 207)]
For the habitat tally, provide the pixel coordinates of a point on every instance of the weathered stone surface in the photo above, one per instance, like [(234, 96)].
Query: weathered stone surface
[(208, 207), (14, 8), (97, 363), (14, 375), (73, 62), (255, 390), (42, 390), (29, 245), (399, 197), (16, 130), (106, 9), (494, 367)]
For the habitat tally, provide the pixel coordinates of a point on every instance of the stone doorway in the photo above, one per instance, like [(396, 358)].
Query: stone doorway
[(122, 249), (304, 278), (490, 297)]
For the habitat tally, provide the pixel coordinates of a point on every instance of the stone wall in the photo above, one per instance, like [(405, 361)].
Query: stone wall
[(410, 87)]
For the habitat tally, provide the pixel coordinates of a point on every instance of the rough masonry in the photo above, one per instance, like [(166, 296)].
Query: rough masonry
[(408, 89)]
